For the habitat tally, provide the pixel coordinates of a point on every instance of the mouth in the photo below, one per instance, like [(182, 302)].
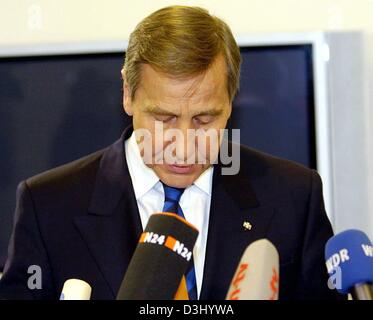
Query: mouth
[(179, 169)]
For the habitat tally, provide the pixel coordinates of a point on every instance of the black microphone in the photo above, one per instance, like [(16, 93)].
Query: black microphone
[(161, 258)]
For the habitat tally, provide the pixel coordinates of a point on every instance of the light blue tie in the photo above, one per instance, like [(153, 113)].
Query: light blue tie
[(171, 204)]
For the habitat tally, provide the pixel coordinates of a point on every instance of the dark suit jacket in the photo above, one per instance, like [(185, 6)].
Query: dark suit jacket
[(81, 221)]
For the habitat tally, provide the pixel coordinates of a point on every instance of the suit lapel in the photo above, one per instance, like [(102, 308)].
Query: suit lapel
[(112, 227), (233, 202)]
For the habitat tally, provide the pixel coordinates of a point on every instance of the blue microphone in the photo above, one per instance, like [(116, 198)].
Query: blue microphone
[(349, 260)]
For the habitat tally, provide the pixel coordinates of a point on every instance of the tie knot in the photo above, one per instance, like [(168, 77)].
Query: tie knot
[(171, 193)]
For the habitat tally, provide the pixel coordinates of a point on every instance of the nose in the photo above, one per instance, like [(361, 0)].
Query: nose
[(185, 147), (180, 145)]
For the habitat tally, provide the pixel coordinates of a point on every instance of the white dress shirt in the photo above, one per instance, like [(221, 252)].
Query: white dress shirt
[(195, 200)]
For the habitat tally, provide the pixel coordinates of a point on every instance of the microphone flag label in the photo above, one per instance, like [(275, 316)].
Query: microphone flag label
[(168, 242)]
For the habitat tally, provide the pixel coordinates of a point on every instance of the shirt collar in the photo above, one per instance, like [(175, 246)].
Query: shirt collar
[(143, 177), (204, 181)]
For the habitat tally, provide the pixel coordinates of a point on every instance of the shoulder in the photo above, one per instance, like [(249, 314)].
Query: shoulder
[(261, 162), (75, 174), (277, 174)]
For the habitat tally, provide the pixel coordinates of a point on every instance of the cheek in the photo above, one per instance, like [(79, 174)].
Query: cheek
[(140, 121), (155, 142), (208, 146)]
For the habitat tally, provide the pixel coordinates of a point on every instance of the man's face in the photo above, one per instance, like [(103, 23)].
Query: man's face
[(198, 102)]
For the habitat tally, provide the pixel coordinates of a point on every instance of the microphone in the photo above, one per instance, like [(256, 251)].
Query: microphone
[(182, 291), (160, 260), (257, 275), (75, 289), (349, 260)]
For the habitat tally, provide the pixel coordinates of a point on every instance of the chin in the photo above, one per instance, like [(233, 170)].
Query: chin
[(177, 180)]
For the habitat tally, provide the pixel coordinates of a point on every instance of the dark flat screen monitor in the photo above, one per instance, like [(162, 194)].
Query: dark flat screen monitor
[(55, 109)]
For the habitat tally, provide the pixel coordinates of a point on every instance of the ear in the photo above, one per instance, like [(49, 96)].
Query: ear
[(127, 100)]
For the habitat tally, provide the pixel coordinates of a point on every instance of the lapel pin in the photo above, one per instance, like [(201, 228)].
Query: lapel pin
[(247, 225)]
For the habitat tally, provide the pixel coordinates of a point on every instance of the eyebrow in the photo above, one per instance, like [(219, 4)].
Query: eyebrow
[(210, 112), (160, 111)]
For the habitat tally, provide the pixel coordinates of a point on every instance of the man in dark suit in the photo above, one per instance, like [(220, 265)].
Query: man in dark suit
[(83, 220)]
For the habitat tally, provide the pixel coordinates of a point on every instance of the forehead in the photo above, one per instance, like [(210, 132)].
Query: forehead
[(158, 86)]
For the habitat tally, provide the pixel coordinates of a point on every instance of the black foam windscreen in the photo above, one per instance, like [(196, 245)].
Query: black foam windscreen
[(161, 258)]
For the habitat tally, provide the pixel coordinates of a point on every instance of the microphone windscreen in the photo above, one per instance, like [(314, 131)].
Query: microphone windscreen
[(349, 258), (161, 258), (257, 275), (75, 289)]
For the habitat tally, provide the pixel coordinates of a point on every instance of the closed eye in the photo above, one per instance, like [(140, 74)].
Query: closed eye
[(164, 118), (201, 120)]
